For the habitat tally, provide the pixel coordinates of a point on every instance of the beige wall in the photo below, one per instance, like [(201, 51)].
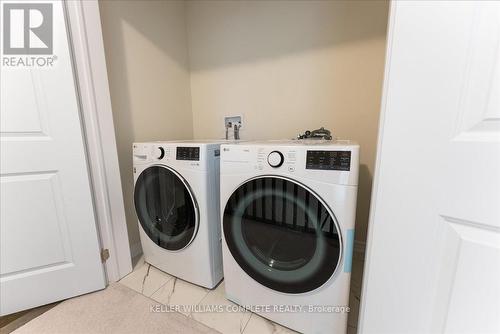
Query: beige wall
[(146, 56), (288, 66), (176, 68)]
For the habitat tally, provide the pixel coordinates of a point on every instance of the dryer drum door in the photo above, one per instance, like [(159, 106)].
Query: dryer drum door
[(282, 234), (166, 208)]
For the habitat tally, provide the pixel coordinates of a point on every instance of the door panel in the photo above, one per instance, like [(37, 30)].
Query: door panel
[(23, 112), (471, 303), (35, 201), (434, 257), (49, 246), (471, 190)]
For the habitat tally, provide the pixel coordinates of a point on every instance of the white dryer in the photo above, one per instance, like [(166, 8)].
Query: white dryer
[(288, 230), (176, 197)]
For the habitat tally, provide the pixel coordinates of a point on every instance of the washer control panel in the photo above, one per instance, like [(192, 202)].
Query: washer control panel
[(188, 153), (329, 160)]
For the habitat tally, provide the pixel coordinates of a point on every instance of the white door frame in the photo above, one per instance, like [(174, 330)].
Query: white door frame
[(86, 43), (376, 177)]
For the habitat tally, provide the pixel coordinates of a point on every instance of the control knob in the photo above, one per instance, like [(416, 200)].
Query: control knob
[(160, 153), (275, 159)]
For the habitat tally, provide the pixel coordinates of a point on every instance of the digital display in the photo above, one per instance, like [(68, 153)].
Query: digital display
[(188, 153), (329, 160)]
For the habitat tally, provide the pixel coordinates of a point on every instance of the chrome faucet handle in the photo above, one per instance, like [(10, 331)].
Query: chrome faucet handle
[(228, 126), (236, 130)]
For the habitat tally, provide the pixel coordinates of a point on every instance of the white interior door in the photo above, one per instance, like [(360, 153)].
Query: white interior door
[(49, 247), (433, 261)]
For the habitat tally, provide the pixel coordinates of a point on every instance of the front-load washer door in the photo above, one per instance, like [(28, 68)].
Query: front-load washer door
[(282, 234), (166, 208)]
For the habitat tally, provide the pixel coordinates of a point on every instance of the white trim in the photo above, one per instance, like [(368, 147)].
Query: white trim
[(383, 111), (92, 81)]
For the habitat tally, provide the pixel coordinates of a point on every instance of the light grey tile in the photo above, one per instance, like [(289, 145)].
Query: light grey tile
[(225, 322), (180, 293), (146, 279), (260, 325)]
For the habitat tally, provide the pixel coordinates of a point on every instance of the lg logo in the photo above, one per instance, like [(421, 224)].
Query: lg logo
[(27, 29)]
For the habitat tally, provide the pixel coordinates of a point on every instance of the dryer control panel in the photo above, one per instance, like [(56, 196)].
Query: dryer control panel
[(328, 160), (335, 162)]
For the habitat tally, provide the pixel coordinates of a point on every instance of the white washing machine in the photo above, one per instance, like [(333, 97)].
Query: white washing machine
[(288, 230), (176, 197)]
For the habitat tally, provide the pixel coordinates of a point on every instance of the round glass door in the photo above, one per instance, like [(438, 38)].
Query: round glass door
[(282, 234), (166, 208)]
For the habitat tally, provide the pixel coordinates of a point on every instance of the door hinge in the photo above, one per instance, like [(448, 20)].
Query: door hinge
[(104, 255)]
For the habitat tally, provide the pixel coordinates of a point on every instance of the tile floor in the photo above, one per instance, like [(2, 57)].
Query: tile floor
[(169, 290)]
